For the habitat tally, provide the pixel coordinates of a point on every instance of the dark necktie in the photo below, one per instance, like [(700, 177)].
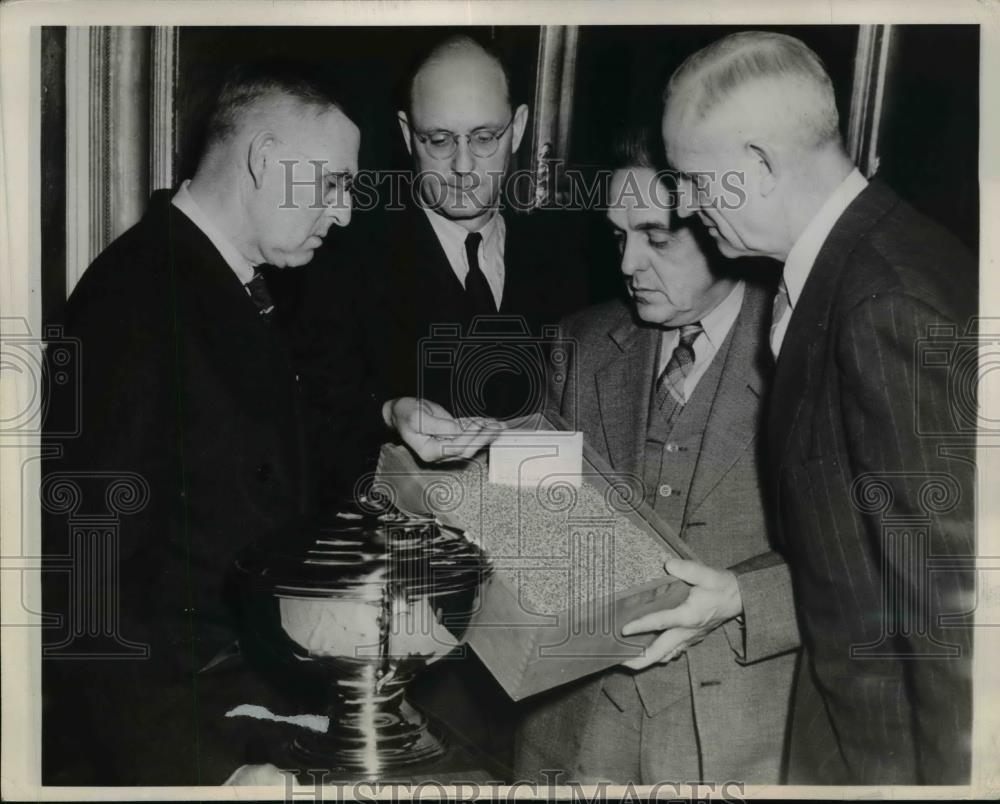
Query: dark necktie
[(671, 380), (477, 289), (261, 296)]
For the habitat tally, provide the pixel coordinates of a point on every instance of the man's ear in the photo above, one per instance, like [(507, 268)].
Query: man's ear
[(404, 126), (766, 166), (520, 121), (258, 156)]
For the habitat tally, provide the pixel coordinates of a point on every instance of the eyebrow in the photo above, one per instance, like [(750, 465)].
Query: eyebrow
[(343, 173), (652, 226), (648, 226), (441, 130)]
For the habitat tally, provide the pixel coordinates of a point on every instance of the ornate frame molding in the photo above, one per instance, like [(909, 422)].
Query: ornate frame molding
[(120, 132), (554, 85), (871, 66)]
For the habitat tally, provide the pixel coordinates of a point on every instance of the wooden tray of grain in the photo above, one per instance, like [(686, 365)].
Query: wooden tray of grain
[(571, 564)]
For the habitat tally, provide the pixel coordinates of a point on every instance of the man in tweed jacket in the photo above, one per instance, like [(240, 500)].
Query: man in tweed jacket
[(719, 709)]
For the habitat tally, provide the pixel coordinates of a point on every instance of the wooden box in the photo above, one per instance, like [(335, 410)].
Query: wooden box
[(573, 562)]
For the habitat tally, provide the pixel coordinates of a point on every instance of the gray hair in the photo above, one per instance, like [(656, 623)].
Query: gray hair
[(716, 72), (247, 85)]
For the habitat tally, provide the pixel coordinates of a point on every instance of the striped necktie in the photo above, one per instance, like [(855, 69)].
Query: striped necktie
[(261, 296), (671, 379), (780, 310)]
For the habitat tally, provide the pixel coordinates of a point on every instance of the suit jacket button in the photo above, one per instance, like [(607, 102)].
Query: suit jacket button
[(264, 472), (671, 447), (665, 490)]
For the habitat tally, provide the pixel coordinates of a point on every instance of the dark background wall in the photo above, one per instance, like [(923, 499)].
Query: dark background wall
[(622, 71), (369, 66), (929, 142)]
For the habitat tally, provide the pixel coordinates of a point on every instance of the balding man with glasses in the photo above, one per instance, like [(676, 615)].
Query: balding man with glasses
[(465, 248), (454, 255), (428, 258)]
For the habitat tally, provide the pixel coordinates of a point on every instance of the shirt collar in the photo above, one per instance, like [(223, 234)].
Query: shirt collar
[(806, 249), (719, 320), (452, 235), (240, 265)]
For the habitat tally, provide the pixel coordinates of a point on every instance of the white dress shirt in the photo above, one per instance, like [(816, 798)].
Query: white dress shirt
[(452, 237), (807, 247), (241, 266), (715, 327)]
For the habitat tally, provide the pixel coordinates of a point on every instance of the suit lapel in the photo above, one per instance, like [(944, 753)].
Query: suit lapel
[(800, 359), (520, 284), (734, 417), (431, 262), (623, 388), (512, 258), (218, 316)]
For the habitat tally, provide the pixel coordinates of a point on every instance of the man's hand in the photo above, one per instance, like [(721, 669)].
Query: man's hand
[(714, 598), (434, 434), (259, 776)]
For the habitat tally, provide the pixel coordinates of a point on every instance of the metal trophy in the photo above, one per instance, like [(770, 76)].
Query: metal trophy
[(360, 606)]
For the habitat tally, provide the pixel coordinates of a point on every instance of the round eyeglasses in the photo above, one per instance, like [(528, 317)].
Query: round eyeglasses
[(442, 144)]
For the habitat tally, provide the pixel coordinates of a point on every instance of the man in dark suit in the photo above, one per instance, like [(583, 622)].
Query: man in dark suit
[(455, 257), (670, 388), (465, 258), (417, 278), (884, 691), (430, 260), (189, 416), (445, 253)]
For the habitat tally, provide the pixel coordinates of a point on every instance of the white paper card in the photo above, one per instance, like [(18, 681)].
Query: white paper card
[(536, 457)]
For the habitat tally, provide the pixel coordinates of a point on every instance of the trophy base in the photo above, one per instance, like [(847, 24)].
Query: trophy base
[(381, 745)]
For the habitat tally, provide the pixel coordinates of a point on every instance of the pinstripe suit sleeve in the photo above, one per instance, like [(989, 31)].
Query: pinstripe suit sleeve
[(879, 384)]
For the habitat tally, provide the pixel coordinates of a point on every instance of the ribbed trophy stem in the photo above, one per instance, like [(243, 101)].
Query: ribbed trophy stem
[(372, 731)]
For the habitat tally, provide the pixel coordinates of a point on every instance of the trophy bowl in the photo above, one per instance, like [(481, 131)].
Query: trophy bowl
[(357, 607)]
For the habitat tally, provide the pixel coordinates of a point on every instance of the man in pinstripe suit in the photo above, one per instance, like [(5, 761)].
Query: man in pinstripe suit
[(883, 692)]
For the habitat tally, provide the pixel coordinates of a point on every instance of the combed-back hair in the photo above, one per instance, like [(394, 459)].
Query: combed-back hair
[(247, 84), (638, 145), (717, 71)]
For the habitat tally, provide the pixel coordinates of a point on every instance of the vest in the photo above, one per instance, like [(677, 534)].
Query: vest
[(670, 454), (673, 443)]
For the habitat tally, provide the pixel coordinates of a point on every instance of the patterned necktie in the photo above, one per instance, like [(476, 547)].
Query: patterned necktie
[(671, 380), (261, 296), (781, 308), (477, 289)]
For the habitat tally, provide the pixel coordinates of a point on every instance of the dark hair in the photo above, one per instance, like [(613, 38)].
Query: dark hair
[(434, 48), (638, 145), (247, 84)]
